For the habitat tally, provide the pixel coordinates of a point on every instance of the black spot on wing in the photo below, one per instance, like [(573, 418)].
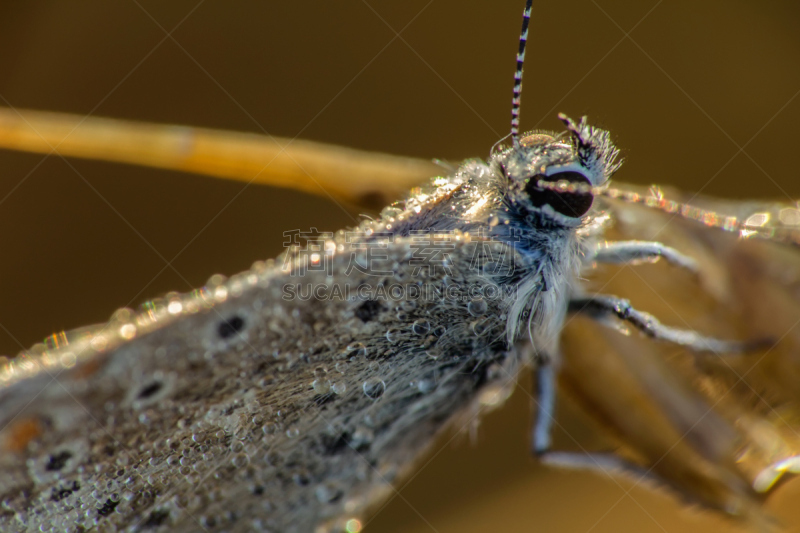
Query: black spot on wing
[(107, 508), (228, 328), (369, 310), (149, 390), (56, 462), (155, 519), (59, 493), (335, 444)]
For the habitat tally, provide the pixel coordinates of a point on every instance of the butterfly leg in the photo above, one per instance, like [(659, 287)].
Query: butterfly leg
[(605, 463), (545, 377), (635, 252), (603, 307)]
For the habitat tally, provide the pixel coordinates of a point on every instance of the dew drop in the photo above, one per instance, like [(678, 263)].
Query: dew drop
[(493, 220), (357, 349), (240, 460), (321, 386), (340, 387), (393, 335), (421, 327), (174, 307), (426, 385), (479, 327), (127, 331), (273, 459), (68, 359), (477, 307), (99, 342), (373, 388), (353, 526), (389, 212)]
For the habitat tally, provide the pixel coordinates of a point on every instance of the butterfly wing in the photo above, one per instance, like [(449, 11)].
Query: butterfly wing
[(267, 401), (721, 428)]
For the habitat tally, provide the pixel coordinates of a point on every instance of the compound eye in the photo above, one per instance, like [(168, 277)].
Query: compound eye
[(569, 203)]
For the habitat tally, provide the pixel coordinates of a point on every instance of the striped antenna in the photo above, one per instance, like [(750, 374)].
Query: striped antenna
[(523, 40)]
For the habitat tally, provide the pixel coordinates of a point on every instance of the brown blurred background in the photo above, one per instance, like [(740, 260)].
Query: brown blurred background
[(78, 240)]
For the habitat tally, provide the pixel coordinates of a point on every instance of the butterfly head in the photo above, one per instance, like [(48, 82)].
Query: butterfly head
[(558, 174)]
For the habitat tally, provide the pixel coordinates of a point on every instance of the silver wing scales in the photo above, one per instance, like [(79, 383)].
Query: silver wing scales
[(253, 411)]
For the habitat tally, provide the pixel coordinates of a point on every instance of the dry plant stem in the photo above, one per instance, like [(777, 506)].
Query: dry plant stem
[(354, 176)]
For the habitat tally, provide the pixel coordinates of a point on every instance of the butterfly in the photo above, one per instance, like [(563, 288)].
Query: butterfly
[(652, 125)]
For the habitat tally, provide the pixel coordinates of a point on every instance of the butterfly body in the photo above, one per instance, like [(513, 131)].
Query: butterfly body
[(320, 375)]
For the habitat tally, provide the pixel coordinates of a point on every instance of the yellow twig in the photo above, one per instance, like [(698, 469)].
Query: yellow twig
[(355, 176)]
